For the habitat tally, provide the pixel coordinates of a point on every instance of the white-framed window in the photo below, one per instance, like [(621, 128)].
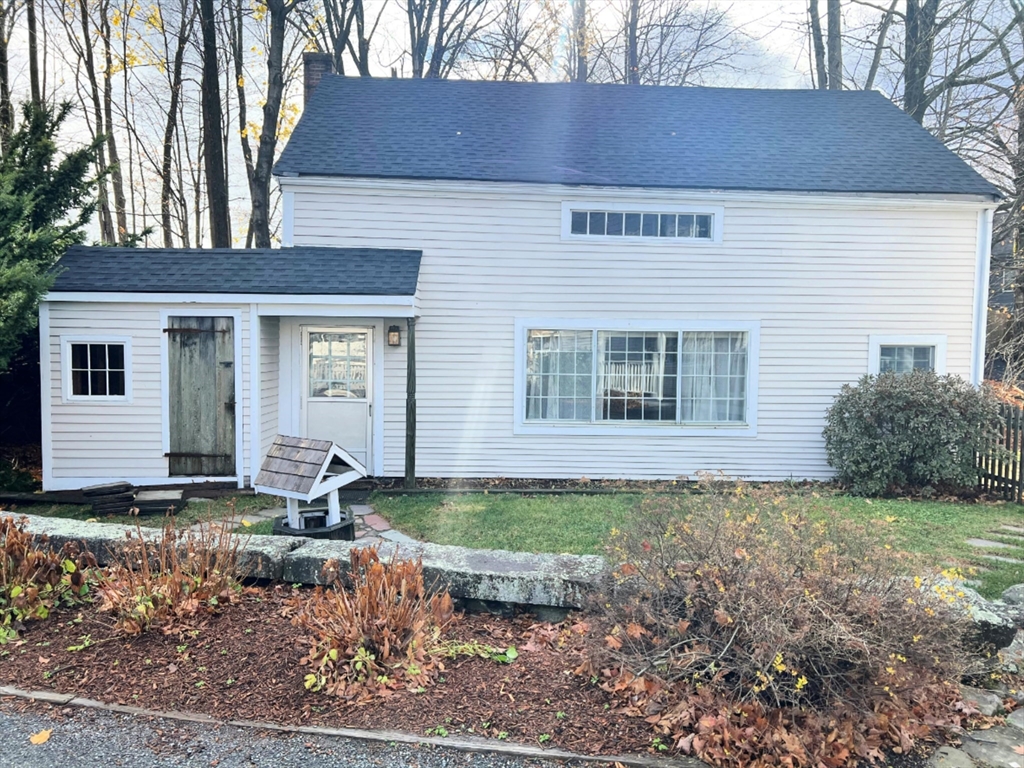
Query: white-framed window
[(617, 377), (610, 222), (96, 369), (337, 364), (906, 353)]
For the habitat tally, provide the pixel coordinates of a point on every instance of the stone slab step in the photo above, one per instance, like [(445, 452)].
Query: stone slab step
[(1019, 529), (1001, 559), (986, 544)]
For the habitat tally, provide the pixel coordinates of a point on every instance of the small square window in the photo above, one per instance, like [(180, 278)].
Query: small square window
[(668, 225), (685, 226), (97, 369), (650, 226), (597, 222), (579, 222)]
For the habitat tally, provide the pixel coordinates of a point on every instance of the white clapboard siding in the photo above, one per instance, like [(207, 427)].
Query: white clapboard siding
[(122, 440), (270, 368), (820, 275)]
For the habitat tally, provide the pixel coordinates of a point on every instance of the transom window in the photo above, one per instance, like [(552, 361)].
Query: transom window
[(636, 376), (337, 364), (604, 223), (906, 358), (97, 369)]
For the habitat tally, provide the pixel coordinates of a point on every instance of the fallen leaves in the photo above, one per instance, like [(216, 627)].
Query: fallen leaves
[(1019, 749), (42, 737)]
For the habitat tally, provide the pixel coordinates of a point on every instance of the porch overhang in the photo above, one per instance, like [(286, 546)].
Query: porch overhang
[(267, 304)]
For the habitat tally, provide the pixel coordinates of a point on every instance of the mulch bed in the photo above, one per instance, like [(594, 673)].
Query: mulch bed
[(246, 663)]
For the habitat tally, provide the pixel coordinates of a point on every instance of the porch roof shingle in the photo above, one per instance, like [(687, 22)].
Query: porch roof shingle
[(298, 270)]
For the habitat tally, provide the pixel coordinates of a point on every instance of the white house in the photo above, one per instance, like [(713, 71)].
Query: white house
[(595, 280)]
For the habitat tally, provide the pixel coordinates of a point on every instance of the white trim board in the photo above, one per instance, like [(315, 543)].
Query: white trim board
[(255, 402), (505, 189), (604, 428), (876, 341), (282, 299), (979, 323), (46, 396), (165, 395)]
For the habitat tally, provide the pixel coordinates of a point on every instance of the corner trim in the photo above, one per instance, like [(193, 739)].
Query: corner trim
[(981, 277), (46, 395)]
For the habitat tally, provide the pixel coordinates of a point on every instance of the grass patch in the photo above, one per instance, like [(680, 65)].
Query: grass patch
[(571, 523), (194, 511), (581, 524), (262, 528)]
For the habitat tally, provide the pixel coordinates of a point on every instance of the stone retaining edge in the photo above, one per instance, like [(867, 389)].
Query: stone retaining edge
[(491, 576), (462, 744)]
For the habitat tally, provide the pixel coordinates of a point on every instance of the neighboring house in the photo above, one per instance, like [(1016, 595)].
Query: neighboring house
[(597, 280)]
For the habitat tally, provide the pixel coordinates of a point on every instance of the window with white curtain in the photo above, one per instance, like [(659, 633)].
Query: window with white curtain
[(636, 376), (905, 358)]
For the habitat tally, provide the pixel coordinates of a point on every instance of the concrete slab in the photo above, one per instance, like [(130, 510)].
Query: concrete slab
[(560, 581), (361, 510), (397, 537), (948, 757), (986, 544), (1001, 559)]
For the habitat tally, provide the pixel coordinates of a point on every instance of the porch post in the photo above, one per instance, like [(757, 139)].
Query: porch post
[(410, 405)]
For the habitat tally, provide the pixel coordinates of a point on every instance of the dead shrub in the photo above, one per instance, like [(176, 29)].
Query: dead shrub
[(376, 628), (33, 578), (740, 605), (170, 580)]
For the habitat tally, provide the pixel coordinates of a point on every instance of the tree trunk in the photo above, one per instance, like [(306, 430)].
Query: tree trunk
[(237, 51), (170, 127), (835, 46), (6, 107), (260, 188), (116, 177), (33, 52), (876, 58), (632, 43), (579, 31), (107, 234), (213, 136), (920, 49), (818, 43)]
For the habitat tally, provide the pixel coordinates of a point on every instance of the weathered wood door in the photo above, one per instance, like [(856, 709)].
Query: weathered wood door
[(201, 385)]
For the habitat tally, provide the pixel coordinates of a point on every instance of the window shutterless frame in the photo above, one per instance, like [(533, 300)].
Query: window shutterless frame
[(67, 392), (716, 212), (876, 341), (522, 426)]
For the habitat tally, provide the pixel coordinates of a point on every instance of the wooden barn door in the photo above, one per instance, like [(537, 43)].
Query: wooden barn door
[(201, 385)]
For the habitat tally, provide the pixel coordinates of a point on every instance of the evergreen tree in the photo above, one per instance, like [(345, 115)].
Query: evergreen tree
[(45, 201)]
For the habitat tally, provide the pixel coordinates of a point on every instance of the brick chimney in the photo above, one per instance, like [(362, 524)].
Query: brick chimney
[(314, 66)]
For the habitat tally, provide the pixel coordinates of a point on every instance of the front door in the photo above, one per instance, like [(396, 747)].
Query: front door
[(201, 396), (337, 392)]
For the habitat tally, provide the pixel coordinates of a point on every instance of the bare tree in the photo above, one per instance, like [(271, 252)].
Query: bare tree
[(519, 44), (835, 46), (579, 41), (817, 44), (8, 15), (343, 28), (440, 31), (213, 135), (667, 42)]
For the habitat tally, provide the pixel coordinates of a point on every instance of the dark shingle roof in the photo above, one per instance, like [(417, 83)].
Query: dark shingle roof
[(633, 136), (299, 270)]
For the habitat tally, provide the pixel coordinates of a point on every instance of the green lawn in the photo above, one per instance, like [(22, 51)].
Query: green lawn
[(194, 511), (580, 524)]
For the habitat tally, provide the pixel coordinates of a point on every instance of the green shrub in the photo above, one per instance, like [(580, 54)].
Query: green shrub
[(909, 431)]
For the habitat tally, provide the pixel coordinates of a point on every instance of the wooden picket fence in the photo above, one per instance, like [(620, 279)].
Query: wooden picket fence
[(1001, 475)]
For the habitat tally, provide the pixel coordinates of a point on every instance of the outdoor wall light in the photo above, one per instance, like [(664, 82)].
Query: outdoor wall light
[(394, 336)]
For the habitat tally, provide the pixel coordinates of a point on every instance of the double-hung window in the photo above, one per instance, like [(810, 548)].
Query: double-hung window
[(638, 375)]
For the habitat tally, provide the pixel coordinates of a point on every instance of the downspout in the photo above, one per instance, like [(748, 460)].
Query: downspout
[(981, 277), (410, 406)]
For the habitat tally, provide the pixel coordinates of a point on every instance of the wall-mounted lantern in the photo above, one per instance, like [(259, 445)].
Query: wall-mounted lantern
[(394, 336)]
